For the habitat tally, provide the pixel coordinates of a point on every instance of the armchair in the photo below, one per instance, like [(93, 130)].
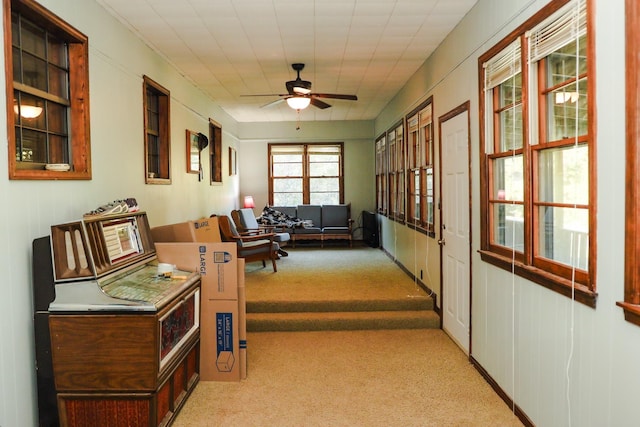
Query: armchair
[(258, 247), (246, 223)]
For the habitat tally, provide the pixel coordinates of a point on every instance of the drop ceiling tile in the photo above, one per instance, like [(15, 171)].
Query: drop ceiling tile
[(231, 47)]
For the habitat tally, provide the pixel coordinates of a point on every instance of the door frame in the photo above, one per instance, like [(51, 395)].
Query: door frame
[(464, 107)]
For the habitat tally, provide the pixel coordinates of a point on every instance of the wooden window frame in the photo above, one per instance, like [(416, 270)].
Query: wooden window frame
[(546, 273), (382, 165), (79, 145), (306, 191), (163, 174), (631, 303), (215, 152), (397, 176), (420, 154)]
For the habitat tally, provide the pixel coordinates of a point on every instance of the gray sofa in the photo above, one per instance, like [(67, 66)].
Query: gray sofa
[(319, 222)]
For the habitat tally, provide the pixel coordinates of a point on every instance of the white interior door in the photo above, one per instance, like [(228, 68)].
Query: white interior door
[(455, 237)]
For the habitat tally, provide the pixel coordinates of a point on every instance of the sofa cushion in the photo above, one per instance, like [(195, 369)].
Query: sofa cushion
[(311, 215), (336, 230), (335, 216)]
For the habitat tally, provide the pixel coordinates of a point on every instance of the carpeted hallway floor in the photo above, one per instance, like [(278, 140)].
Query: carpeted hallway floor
[(347, 378)]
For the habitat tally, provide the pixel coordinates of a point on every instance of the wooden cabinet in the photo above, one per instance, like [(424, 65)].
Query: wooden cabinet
[(127, 368)]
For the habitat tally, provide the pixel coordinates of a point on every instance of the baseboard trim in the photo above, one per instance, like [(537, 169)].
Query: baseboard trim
[(522, 416), (426, 288)]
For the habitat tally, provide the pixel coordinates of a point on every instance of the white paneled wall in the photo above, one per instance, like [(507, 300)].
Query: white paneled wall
[(117, 61), (562, 363)]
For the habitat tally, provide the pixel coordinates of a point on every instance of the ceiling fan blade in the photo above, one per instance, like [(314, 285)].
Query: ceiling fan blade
[(320, 104), (272, 103), (335, 96), (269, 94)]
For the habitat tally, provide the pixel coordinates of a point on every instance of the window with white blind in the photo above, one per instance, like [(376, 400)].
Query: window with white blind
[(306, 174), (537, 139)]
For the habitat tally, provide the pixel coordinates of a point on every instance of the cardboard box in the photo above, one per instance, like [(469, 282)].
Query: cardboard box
[(180, 232), (242, 317), (206, 230), (219, 342), (217, 264), (200, 230), (220, 318)]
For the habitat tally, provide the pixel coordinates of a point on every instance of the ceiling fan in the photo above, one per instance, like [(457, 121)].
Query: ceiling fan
[(299, 94)]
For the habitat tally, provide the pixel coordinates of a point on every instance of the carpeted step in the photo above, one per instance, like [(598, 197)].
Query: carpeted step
[(411, 303), (358, 320)]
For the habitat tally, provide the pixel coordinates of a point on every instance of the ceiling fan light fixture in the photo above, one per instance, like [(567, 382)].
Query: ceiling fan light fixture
[(298, 102)]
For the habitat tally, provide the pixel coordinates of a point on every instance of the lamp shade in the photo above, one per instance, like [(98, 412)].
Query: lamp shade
[(248, 202), (298, 102)]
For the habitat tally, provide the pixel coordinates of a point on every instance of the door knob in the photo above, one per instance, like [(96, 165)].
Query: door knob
[(441, 242)]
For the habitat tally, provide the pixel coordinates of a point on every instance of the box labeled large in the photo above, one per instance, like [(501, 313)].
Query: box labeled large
[(217, 264), (206, 230), (220, 323), (201, 230), (242, 317), (219, 343)]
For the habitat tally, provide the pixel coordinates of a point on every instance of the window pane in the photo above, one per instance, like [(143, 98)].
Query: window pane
[(324, 158), (57, 52), (429, 218), (324, 198), (293, 185), (34, 147), (511, 134), (57, 118), (287, 199), (324, 169), (564, 235), (32, 39), (511, 91), (567, 108), (153, 156), (508, 178), (58, 82), (561, 64), (287, 158), (287, 169), (324, 184), (58, 149), (17, 76), (29, 111), (508, 225), (564, 175), (34, 72)]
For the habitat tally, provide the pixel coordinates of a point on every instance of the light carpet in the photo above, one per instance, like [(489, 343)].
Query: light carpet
[(350, 378)]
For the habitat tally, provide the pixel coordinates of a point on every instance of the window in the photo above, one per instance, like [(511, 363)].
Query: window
[(420, 170), (382, 201), (47, 95), (215, 150), (537, 191), (631, 303), (397, 167), (157, 146), (305, 174)]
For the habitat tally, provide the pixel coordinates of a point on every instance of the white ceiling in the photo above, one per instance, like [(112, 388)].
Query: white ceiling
[(229, 48)]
